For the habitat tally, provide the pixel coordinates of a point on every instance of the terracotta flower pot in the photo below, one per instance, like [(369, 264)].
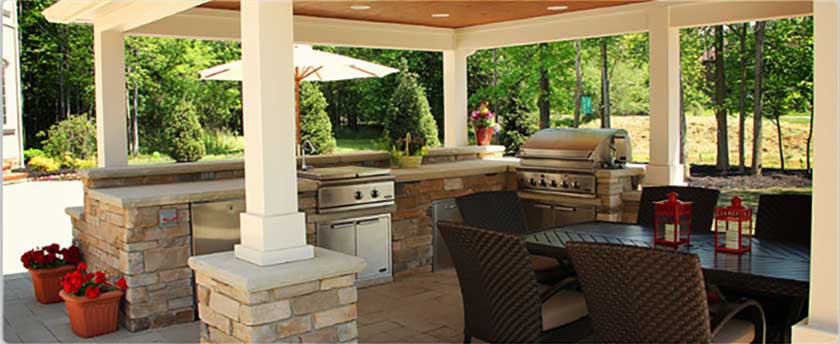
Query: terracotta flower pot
[(483, 135), (47, 282), (93, 317)]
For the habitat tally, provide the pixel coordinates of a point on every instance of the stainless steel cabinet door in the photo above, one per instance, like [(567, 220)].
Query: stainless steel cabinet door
[(570, 215), (373, 243), (540, 216), (338, 236), (215, 226)]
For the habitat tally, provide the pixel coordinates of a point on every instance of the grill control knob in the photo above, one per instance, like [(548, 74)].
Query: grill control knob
[(358, 195), (575, 185), (533, 182), (374, 193), (553, 183), (543, 183), (565, 184)]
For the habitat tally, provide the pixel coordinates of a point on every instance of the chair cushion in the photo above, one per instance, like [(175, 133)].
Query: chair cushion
[(563, 308), (736, 331)]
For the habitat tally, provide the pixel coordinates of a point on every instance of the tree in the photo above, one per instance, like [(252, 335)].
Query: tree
[(520, 123), (758, 112), (315, 124), (720, 102), (183, 134), (410, 113), (578, 84), (605, 86), (742, 96)]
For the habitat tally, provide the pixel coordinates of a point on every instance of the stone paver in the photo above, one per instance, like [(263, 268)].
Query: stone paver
[(419, 308)]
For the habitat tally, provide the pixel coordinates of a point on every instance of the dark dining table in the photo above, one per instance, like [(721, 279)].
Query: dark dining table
[(771, 267)]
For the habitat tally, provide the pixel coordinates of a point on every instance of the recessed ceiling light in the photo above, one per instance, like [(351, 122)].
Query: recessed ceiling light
[(440, 15), (557, 8), (359, 7)]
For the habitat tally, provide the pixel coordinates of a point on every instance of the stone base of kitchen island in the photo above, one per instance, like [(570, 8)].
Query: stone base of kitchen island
[(312, 300)]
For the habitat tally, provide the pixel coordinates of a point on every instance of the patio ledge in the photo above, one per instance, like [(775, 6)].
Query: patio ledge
[(226, 268), (75, 212)]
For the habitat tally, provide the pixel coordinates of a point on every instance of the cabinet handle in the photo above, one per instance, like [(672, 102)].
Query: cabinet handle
[(566, 209), (542, 206), (368, 222), (342, 225)]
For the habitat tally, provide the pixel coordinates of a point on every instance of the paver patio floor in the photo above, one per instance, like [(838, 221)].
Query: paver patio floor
[(420, 308)]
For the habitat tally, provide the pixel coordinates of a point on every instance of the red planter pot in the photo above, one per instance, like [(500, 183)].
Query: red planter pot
[(483, 135), (47, 282), (93, 317)]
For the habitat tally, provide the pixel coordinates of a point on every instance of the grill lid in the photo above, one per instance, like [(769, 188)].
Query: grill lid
[(598, 148)]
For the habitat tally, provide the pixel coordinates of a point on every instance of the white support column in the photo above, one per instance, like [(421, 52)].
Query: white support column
[(273, 230), (455, 97), (664, 167), (109, 73), (823, 322)]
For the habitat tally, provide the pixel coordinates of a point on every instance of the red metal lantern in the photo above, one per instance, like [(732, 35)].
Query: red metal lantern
[(733, 228), (672, 221)]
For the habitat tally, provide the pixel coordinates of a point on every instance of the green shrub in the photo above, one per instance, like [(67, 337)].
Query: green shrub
[(73, 137), (315, 124), (218, 142), (410, 112), (31, 153), (518, 123), (43, 164), (184, 134)]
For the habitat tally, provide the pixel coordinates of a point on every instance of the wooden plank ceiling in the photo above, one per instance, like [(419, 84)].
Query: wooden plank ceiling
[(460, 13)]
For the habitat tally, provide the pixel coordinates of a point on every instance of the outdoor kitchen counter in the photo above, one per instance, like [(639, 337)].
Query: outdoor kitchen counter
[(179, 193), (454, 169)]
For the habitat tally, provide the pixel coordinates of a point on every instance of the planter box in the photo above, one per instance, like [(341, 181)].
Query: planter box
[(47, 282), (93, 317)]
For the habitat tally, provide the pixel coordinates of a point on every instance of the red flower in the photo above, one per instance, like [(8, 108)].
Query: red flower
[(71, 255), (100, 277), (92, 292), (54, 248), (81, 267), (26, 259), (72, 282), (39, 257), (122, 284)]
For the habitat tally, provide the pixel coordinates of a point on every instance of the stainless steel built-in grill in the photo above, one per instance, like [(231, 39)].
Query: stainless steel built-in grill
[(351, 187), (564, 161)]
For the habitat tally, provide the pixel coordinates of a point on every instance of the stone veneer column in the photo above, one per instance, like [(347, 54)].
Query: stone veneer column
[(312, 300)]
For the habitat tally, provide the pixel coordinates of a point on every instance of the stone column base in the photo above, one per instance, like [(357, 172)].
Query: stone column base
[(311, 300)]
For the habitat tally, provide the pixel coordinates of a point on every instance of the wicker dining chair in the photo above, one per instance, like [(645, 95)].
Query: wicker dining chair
[(502, 300), (502, 211), (703, 205), (784, 218), (643, 295)]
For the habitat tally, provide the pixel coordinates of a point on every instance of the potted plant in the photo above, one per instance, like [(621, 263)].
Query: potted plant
[(484, 124), (46, 265), (92, 302), (409, 151)]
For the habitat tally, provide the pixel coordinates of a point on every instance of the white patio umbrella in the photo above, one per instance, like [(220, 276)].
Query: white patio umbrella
[(310, 65)]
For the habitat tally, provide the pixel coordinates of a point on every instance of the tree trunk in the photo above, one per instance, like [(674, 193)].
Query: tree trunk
[(810, 137), (683, 130), (742, 99), (545, 91), (778, 121), (720, 107), (578, 84), (605, 86), (757, 95), (135, 122)]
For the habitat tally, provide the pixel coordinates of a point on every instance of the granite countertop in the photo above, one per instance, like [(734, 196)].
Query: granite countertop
[(165, 194), (454, 169)]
